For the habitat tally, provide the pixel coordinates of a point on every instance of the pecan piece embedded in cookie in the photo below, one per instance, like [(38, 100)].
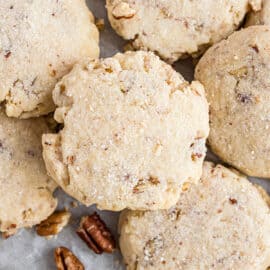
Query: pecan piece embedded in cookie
[(94, 232), (66, 260)]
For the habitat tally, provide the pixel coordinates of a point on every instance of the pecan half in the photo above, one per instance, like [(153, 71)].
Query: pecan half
[(66, 260), (94, 232), (53, 224)]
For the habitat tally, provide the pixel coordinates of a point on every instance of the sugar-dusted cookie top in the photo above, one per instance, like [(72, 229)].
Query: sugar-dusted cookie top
[(177, 28), (134, 132), (235, 74), (221, 223), (39, 43)]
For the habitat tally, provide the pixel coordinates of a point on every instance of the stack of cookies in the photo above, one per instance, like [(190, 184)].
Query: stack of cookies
[(128, 132)]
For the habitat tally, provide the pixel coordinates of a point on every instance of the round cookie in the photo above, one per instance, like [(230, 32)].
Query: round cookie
[(260, 17), (39, 43), (177, 28), (221, 223), (235, 76), (134, 132), (25, 189)]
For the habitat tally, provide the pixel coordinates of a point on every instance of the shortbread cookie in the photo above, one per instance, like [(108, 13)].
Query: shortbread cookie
[(134, 132), (177, 28), (235, 74), (39, 43), (221, 223), (260, 17), (25, 189)]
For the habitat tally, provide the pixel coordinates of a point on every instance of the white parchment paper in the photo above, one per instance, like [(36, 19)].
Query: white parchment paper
[(26, 250)]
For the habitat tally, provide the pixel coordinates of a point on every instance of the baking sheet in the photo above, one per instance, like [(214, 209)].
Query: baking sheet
[(26, 250)]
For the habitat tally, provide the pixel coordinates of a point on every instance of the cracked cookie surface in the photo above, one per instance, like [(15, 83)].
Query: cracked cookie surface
[(134, 132), (25, 188), (177, 28), (234, 73), (220, 223), (39, 43)]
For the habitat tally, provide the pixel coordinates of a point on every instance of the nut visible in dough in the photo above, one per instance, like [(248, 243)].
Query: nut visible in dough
[(134, 132), (177, 28), (235, 74), (220, 223), (40, 41)]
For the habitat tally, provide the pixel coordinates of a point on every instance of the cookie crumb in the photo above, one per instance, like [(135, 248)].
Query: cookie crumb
[(74, 204), (100, 24)]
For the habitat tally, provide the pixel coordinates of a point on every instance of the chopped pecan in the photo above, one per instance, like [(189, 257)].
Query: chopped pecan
[(154, 180), (255, 48), (53, 224), (7, 54), (233, 201), (94, 232), (142, 184), (139, 187), (185, 186), (240, 72), (195, 156), (66, 260)]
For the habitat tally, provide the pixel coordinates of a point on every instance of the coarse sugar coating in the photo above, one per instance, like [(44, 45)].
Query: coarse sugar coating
[(134, 132), (234, 73), (40, 41), (220, 223)]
